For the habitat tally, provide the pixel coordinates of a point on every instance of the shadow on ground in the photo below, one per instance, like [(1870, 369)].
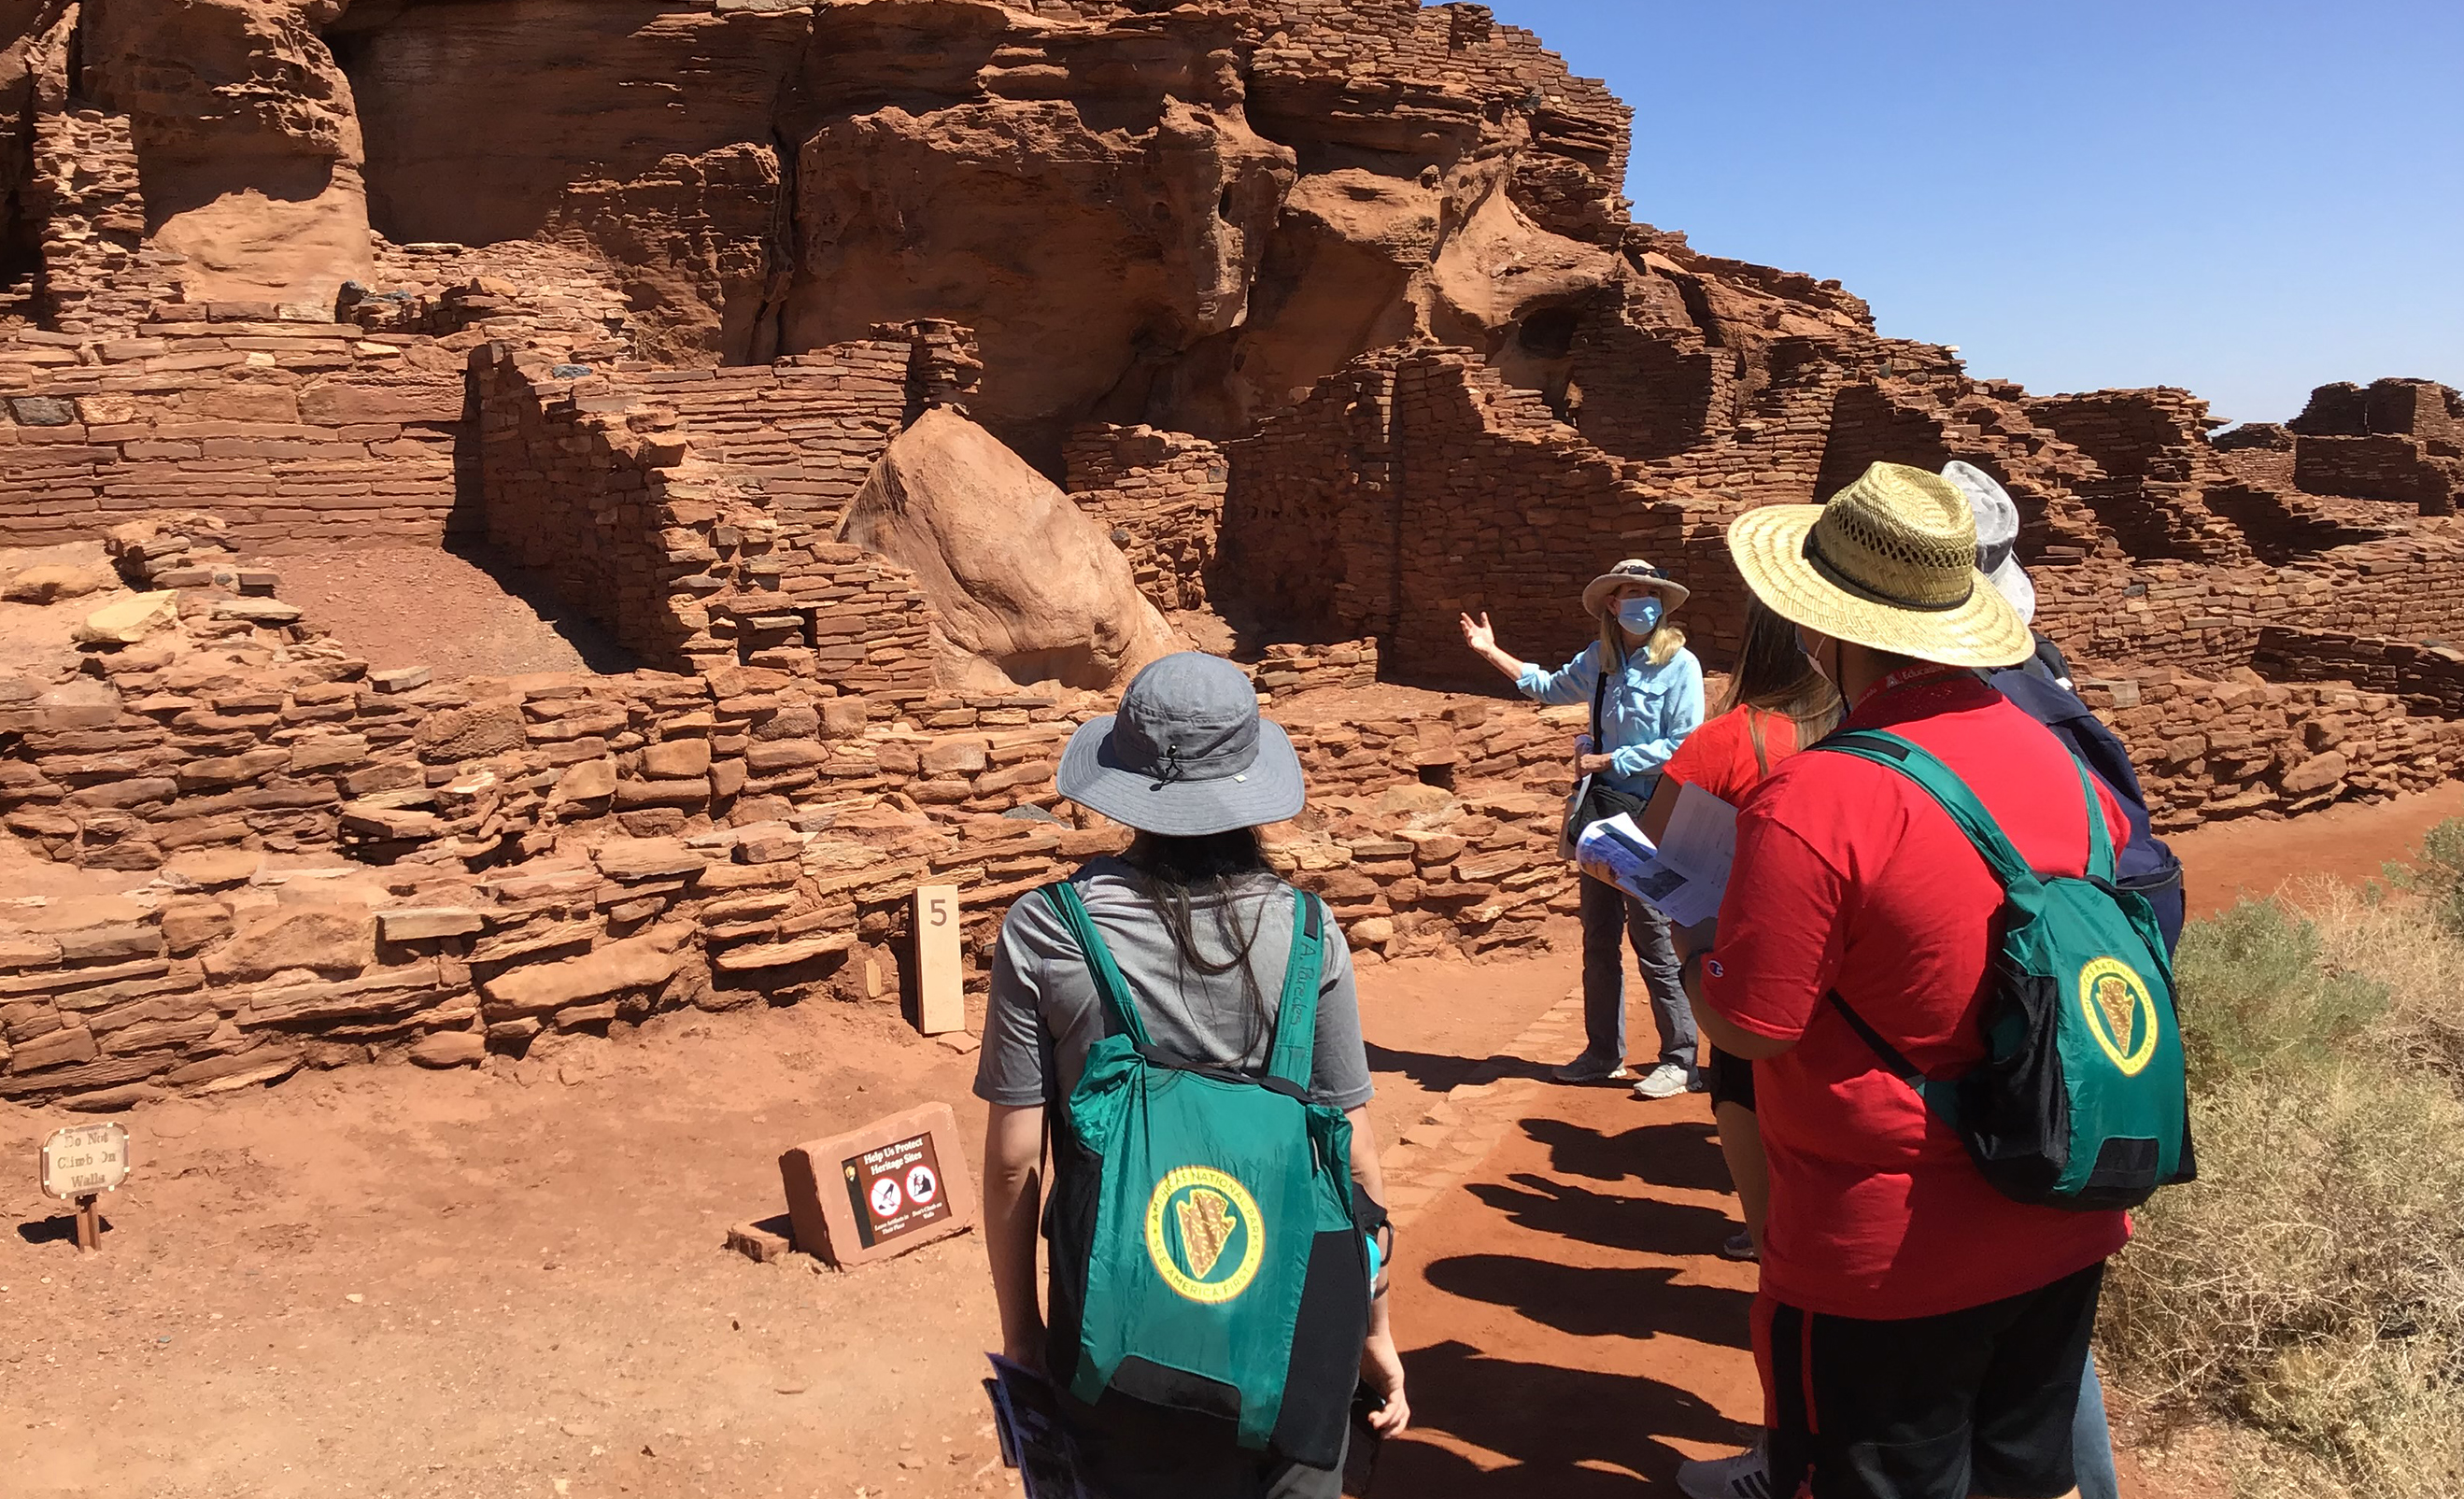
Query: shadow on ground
[(597, 648), (1565, 1433)]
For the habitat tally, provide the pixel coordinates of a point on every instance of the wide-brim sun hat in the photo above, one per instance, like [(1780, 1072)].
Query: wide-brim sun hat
[(1187, 754), (1997, 535), (1889, 563), (1635, 570)]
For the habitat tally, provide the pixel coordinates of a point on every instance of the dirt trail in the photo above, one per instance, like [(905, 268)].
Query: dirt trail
[(542, 1304), (2255, 858), (542, 1299)]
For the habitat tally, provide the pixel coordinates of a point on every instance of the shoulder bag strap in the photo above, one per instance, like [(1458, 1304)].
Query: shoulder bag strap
[(1295, 1053), (2100, 841), (1599, 700), (1111, 987), (1941, 782)]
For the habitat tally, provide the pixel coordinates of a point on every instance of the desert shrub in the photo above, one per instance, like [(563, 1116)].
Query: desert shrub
[(2254, 993), (2310, 1287)]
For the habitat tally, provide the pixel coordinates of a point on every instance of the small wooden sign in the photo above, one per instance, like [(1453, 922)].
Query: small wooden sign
[(84, 1159), (940, 997), (78, 1164), (889, 1187)]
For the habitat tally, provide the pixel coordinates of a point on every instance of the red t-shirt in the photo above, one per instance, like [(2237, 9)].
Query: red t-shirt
[(1719, 757), (1848, 875)]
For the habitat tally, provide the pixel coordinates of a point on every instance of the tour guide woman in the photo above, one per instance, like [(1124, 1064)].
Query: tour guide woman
[(1647, 694), (1200, 930)]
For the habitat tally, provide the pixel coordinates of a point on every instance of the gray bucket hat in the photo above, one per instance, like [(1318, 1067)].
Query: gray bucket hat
[(1997, 535), (1186, 756)]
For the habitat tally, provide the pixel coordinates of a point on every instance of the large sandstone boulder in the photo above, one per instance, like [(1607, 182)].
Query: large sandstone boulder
[(246, 138), (1023, 579)]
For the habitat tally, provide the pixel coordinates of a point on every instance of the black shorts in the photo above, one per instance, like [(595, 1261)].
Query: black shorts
[(1977, 1400), (1729, 1079)]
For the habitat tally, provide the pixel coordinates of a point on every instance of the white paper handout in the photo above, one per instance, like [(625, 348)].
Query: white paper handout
[(1685, 876)]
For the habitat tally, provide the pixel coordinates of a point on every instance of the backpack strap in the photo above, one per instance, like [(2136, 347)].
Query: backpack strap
[(1943, 1098), (1119, 1008), (2100, 843), (1295, 1054), (1946, 787)]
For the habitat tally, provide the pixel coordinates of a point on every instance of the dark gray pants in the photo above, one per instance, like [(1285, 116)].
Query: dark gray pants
[(1610, 913)]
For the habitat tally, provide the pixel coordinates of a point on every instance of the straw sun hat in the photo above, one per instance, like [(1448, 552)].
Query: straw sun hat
[(1890, 562), (1634, 570)]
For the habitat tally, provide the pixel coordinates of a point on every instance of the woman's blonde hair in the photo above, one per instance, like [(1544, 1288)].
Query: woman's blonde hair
[(1665, 641)]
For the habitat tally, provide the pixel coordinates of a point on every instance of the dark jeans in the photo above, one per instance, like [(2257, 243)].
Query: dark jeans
[(1609, 913)]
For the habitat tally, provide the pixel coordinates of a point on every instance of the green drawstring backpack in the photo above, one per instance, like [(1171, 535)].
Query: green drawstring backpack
[(1206, 1244), (2082, 1099)]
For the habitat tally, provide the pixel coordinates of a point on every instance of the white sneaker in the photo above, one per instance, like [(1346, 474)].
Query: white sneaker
[(1589, 1068), (1665, 1081), (1745, 1475)]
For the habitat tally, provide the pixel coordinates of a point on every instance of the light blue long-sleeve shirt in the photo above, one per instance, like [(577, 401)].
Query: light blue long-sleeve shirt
[(1646, 713)]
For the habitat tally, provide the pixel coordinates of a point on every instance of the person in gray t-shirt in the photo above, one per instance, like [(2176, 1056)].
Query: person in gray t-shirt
[(1043, 1013), (1201, 928)]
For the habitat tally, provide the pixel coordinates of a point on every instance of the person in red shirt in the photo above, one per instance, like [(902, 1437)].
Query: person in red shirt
[(1776, 703), (1921, 1336)]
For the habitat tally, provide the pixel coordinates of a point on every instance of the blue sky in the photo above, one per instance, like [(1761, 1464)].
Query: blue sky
[(2246, 199)]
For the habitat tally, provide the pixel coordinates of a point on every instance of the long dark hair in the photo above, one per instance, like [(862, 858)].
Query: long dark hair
[(1177, 875), (1775, 676)]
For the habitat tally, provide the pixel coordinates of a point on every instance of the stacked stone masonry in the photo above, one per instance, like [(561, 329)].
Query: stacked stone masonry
[(1364, 338), (1161, 496)]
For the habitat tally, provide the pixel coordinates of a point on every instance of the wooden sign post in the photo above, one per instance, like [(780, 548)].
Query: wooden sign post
[(78, 1164), (940, 999)]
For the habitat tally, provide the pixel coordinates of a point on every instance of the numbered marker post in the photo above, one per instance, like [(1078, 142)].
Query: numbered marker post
[(940, 1001)]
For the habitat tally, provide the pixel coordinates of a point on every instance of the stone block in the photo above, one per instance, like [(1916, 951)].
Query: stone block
[(640, 962), (417, 923), (676, 758), (459, 734), (127, 621), (323, 939), (444, 1048), (894, 1185)]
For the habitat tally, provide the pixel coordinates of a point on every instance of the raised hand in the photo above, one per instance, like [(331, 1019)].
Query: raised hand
[(1478, 634)]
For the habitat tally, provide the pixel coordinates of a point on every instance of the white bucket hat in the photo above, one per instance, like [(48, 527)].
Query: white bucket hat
[(1997, 534)]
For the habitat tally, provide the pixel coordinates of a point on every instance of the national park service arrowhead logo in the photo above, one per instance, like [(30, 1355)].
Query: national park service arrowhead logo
[(2120, 1012), (1204, 1235)]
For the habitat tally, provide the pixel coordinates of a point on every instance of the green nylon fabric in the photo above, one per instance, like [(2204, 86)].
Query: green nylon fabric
[(2120, 1042), (1213, 1191)]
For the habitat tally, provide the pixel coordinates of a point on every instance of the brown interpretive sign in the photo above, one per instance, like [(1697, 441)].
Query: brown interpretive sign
[(880, 1191), (896, 1190)]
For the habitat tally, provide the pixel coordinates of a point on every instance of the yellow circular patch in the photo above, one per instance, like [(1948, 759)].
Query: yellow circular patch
[(2121, 1013), (1205, 1234)]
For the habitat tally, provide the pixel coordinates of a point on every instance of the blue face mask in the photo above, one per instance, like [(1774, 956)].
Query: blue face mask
[(1639, 616)]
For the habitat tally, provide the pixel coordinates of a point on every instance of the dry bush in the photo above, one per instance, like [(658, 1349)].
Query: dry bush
[(2310, 1287)]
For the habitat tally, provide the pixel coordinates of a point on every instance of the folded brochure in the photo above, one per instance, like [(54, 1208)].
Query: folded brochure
[(1683, 876), (1026, 1413)]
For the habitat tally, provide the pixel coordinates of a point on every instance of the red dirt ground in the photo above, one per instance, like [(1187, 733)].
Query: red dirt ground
[(459, 614), (543, 1305)]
